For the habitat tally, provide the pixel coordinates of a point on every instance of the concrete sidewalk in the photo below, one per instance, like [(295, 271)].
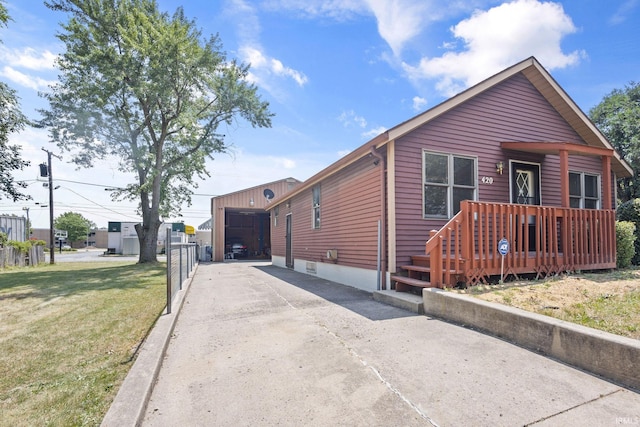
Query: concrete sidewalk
[(259, 345)]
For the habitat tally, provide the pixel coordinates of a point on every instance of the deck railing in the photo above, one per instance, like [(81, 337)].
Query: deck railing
[(543, 240)]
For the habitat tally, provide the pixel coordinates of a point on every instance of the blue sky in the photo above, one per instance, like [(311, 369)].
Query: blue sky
[(336, 73)]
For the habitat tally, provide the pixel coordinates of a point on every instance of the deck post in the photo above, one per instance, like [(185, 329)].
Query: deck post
[(606, 182), (564, 177), (435, 261)]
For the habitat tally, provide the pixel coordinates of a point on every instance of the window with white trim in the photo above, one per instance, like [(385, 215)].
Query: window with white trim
[(584, 190), (448, 179), (315, 203)]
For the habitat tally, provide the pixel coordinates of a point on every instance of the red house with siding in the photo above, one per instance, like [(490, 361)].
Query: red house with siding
[(427, 202)]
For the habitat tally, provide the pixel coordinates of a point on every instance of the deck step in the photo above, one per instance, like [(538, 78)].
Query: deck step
[(404, 284), (420, 268), (423, 269)]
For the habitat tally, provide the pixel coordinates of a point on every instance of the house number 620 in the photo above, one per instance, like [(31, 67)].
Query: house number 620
[(487, 180)]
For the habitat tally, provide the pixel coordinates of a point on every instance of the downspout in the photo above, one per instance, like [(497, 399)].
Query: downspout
[(383, 210)]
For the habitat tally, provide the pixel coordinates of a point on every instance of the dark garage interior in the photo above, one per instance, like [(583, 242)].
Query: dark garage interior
[(249, 228)]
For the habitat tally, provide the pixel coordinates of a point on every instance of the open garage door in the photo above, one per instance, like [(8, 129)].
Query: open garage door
[(247, 234)]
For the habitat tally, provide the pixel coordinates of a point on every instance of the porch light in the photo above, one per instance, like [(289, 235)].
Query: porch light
[(499, 167)]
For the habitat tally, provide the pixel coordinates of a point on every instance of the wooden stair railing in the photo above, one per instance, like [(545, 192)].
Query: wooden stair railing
[(442, 261), (544, 240)]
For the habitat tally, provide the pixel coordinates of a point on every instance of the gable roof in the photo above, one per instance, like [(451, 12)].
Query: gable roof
[(539, 78)]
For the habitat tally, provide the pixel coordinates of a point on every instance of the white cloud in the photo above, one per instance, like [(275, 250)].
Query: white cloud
[(339, 10), (21, 63), (265, 70), (399, 20), (419, 103), (26, 80), (623, 12), (29, 58), (350, 118), (372, 133), (497, 38)]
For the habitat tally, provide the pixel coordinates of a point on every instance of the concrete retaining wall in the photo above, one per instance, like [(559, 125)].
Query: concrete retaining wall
[(610, 356)]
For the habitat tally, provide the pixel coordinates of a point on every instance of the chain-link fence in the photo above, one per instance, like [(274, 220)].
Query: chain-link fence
[(181, 260)]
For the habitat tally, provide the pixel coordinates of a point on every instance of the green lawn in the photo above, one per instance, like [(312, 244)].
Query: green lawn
[(69, 334)]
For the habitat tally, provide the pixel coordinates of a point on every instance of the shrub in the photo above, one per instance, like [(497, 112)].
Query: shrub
[(23, 247), (625, 239), (630, 211), (3, 239)]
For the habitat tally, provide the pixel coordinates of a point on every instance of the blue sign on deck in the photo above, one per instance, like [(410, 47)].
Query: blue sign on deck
[(503, 247)]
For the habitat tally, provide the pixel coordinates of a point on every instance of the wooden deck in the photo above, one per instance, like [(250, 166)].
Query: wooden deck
[(543, 240)]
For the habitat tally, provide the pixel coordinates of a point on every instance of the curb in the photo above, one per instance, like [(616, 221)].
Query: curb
[(129, 406), (607, 355), (404, 300)]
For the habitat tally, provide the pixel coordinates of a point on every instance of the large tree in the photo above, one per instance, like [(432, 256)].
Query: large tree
[(76, 226), (147, 88), (11, 120), (618, 118)]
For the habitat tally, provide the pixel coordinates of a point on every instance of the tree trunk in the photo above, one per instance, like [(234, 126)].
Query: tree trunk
[(148, 238)]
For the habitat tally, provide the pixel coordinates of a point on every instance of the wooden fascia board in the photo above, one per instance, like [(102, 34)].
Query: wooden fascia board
[(592, 134), (222, 196), (556, 147)]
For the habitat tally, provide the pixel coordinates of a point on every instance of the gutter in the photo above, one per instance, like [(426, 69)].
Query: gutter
[(381, 163)]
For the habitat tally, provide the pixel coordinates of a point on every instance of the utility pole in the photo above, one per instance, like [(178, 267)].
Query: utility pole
[(28, 226), (51, 231)]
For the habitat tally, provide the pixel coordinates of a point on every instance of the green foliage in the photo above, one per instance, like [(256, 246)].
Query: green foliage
[(630, 211), (3, 239), (625, 240), (11, 120), (148, 89), (618, 118), (4, 15), (23, 247), (76, 226)]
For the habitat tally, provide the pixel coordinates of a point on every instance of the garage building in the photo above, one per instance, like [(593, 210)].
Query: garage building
[(239, 220)]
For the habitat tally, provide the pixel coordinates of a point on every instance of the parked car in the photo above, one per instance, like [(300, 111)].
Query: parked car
[(239, 250)]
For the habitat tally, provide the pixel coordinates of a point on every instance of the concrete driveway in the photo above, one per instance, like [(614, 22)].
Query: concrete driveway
[(259, 345)]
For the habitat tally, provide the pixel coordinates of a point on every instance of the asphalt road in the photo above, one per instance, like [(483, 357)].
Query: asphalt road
[(93, 255)]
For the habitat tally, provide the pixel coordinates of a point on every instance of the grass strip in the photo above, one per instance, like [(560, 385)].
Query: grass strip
[(608, 301), (69, 334)]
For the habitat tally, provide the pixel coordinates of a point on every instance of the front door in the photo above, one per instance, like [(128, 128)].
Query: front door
[(288, 238), (525, 183)]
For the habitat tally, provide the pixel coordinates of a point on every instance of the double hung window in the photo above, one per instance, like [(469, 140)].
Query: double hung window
[(448, 180), (584, 190)]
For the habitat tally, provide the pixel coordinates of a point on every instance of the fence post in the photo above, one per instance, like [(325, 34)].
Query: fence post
[(180, 263), (188, 252), (167, 251)]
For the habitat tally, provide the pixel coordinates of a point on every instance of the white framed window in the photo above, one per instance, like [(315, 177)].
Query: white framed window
[(584, 190), (448, 179), (276, 212), (315, 203)]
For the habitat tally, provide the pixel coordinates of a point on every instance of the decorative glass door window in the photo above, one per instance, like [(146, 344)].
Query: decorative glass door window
[(524, 187)]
